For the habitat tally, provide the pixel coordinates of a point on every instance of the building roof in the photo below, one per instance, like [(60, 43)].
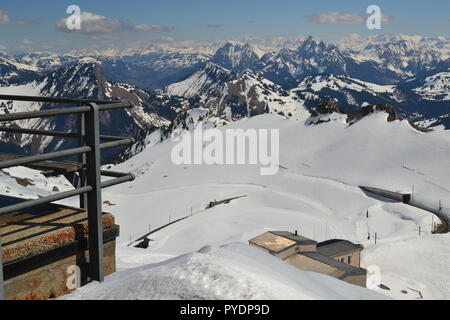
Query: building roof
[(277, 241), (337, 247), (298, 239), (346, 268)]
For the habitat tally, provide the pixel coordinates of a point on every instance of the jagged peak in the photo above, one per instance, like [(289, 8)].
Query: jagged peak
[(211, 67), (88, 60)]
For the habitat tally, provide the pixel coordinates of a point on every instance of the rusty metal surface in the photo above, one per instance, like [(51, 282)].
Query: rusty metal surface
[(29, 233)]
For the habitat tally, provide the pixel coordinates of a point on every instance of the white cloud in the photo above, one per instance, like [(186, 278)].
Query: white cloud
[(335, 17), (6, 19), (343, 18), (386, 18), (27, 42), (98, 26)]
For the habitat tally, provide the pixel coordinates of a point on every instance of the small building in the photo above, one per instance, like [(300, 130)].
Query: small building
[(337, 258), (342, 250), (283, 244)]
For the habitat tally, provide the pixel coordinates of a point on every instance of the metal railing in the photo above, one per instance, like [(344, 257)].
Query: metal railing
[(88, 184)]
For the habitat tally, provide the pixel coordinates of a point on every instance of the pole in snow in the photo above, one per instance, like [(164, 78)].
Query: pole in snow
[(375, 238), (367, 214), (419, 230)]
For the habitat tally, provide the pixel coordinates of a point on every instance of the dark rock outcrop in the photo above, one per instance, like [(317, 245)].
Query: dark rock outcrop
[(327, 107), (369, 109)]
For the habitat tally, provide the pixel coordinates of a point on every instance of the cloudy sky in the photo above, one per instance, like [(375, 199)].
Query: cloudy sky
[(40, 25)]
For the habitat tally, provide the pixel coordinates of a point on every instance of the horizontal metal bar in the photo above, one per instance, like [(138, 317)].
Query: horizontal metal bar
[(60, 134), (115, 105), (113, 182), (61, 111), (36, 202), (114, 174), (52, 99), (43, 157), (118, 143), (43, 113), (113, 138)]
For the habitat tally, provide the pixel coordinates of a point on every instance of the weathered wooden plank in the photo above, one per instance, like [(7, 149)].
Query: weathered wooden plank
[(59, 166)]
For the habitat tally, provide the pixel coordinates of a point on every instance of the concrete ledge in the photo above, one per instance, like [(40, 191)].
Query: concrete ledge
[(40, 244)]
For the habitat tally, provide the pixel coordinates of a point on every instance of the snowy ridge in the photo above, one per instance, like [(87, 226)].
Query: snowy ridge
[(234, 271), (201, 83)]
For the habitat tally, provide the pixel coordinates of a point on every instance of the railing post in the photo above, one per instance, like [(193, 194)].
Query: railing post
[(94, 197), (2, 290), (82, 158)]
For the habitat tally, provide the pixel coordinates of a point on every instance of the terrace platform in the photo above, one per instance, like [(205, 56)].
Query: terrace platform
[(41, 245)]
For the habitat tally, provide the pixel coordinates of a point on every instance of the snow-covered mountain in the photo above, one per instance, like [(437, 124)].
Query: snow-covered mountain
[(46, 61), (152, 70), (232, 95), (310, 58), (403, 55), (83, 79), (349, 93), (14, 71), (234, 56), (435, 87)]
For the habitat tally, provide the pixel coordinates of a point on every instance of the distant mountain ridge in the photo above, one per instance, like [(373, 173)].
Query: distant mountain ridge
[(239, 80)]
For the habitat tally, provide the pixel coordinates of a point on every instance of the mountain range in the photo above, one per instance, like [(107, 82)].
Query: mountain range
[(239, 80)]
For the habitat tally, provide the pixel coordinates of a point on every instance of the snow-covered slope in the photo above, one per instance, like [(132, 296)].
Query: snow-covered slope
[(315, 192), (234, 271), (202, 83)]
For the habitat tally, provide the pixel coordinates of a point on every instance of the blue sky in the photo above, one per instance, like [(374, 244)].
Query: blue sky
[(26, 25)]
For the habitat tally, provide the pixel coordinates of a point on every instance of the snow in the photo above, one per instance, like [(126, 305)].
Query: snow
[(39, 186), (30, 89), (315, 192), (212, 84), (234, 271), (436, 87), (199, 82), (317, 83)]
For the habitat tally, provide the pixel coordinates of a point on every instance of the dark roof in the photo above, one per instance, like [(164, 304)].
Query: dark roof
[(348, 269), (298, 239), (337, 247)]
